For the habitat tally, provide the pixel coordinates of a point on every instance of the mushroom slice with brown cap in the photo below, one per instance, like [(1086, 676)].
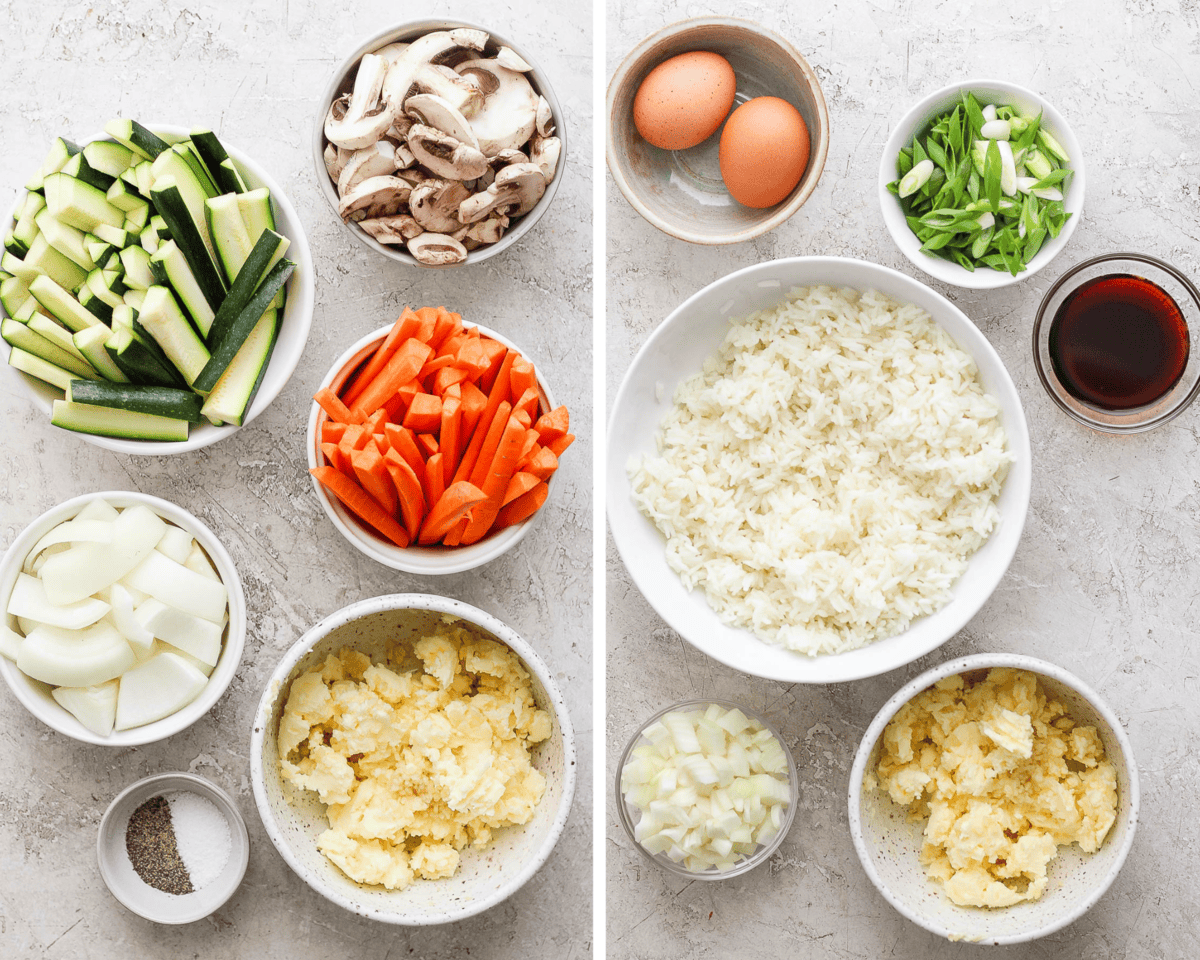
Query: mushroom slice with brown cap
[(517, 189), (433, 111), (445, 156), (377, 160), (437, 250), (402, 74), (489, 230), (434, 204), (543, 153), (398, 228), (377, 194), (367, 115), (509, 112)]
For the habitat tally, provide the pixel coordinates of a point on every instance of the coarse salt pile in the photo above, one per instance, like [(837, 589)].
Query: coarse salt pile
[(829, 472)]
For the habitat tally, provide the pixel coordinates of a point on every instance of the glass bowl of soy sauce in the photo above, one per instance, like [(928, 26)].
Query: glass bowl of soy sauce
[(1116, 342)]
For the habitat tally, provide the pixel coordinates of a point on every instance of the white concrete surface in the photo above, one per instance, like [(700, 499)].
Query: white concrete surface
[(1105, 579), (253, 72)]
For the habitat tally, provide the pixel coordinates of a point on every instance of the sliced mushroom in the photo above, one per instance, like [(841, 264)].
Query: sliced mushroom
[(543, 153), (364, 120), (445, 156), (508, 115), (545, 118), (404, 157), (437, 250), (333, 162), (377, 160), (489, 230), (517, 189), (397, 229), (434, 204), (433, 111), (402, 74), (508, 57), (379, 195), (459, 91), (391, 51)]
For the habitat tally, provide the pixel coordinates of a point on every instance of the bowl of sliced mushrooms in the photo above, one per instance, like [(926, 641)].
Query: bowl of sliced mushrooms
[(439, 143)]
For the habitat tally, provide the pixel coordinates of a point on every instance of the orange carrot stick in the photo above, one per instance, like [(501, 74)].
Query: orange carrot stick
[(373, 477), (529, 403), (331, 431), (424, 413), (333, 406), (542, 464), (404, 365), (497, 395), (434, 481), (554, 424), (448, 437), (528, 449), (521, 509), (499, 474), (427, 444), (561, 444), (474, 402), (520, 484), (454, 505), (496, 352), (405, 444), (521, 378), (404, 327), (454, 537), (447, 377), (359, 502), (491, 442), (409, 491), (335, 458), (445, 326)]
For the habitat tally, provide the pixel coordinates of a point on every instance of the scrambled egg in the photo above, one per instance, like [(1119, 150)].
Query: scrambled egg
[(1004, 776), (414, 766)]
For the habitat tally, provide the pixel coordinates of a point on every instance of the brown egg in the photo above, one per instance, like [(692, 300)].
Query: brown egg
[(684, 100), (764, 150)]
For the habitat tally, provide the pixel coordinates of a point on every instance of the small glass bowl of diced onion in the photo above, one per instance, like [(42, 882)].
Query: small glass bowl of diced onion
[(706, 789)]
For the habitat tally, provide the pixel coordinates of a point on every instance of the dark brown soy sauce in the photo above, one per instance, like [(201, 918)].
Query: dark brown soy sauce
[(1118, 342)]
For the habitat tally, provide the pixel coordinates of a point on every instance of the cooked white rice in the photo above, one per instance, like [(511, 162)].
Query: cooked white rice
[(826, 476)]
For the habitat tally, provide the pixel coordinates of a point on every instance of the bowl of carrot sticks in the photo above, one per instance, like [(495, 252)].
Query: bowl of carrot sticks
[(432, 443)]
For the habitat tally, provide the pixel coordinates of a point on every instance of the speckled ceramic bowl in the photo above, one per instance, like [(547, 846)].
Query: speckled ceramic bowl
[(889, 845), (295, 818), (434, 559), (681, 191)]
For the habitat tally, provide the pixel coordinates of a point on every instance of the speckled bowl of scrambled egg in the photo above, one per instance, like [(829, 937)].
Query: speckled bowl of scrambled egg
[(413, 760), (993, 799)]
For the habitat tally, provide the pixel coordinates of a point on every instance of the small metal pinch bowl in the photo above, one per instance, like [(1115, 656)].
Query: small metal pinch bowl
[(133, 892)]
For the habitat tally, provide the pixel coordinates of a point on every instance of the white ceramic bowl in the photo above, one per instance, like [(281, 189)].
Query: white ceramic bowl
[(293, 330), (435, 559), (917, 119), (35, 695), (889, 845), (144, 900), (342, 81), (676, 351), (295, 818)]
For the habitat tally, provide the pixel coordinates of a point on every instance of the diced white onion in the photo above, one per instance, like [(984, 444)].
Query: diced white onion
[(711, 787)]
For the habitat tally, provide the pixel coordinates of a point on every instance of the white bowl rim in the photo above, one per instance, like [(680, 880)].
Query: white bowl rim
[(389, 35), (239, 838), (274, 689), (1019, 473), (816, 161), (287, 350), (982, 661), (231, 655), (434, 561), (943, 270)]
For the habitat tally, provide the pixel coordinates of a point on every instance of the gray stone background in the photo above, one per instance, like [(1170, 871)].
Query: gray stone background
[(1105, 579), (253, 72)]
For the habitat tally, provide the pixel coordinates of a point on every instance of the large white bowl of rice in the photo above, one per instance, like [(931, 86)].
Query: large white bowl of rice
[(818, 470)]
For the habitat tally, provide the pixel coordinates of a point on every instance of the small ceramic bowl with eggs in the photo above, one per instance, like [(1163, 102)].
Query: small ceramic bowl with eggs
[(717, 130)]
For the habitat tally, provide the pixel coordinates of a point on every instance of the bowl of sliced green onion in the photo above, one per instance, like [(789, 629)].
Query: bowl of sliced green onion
[(981, 184)]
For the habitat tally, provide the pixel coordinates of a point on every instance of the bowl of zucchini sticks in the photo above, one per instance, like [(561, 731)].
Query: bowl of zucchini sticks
[(156, 286)]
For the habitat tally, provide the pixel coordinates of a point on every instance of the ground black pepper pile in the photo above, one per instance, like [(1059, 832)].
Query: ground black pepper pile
[(150, 843)]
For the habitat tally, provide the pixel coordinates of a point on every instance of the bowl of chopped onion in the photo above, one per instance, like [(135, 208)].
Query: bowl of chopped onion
[(706, 789)]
